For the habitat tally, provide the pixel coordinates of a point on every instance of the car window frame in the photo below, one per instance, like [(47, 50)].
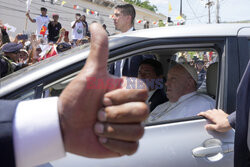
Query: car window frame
[(148, 45)]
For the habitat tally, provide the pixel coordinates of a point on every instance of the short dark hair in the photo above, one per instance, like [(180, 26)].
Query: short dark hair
[(78, 14), (155, 64), (43, 9), (127, 9)]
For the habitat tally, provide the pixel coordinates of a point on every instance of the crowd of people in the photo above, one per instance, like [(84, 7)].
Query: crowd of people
[(49, 39)]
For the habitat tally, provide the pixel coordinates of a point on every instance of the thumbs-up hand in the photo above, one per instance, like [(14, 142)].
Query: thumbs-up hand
[(99, 117)]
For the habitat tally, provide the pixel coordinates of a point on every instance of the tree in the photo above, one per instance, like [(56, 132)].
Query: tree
[(146, 4)]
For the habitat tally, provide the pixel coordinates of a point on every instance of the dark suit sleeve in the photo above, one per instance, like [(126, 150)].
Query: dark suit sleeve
[(3, 67), (7, 112), (232, 119)]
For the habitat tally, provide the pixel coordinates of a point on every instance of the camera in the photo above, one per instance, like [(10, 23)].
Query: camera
[(22, 37)]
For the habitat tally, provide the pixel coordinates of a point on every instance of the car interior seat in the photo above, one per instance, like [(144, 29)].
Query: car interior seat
[(212, 78)]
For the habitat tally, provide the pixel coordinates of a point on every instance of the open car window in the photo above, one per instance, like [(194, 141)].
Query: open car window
[(205, 62)]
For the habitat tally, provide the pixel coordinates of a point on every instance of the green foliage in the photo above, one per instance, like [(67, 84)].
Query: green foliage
[(146, 4), (161, 24)]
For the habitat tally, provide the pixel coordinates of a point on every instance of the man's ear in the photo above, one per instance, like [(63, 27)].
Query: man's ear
[(129, 19)]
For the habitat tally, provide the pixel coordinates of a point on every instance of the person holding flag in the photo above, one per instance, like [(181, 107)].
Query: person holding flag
[(42, 22)]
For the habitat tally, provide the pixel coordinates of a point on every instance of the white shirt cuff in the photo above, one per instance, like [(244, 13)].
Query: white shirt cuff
[(36, 132)]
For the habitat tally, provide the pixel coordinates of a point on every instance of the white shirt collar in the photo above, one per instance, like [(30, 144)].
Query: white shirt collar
[(150, 93), (131, 29)]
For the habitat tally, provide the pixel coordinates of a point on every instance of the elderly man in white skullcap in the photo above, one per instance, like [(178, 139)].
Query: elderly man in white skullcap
[(184, 101)]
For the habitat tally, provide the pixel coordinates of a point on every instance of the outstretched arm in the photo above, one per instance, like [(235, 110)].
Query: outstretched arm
[(32, 20)]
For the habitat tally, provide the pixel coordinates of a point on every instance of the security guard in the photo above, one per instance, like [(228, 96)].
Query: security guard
[(9, 58)]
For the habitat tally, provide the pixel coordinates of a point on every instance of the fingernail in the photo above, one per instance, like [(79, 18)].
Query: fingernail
[(107, 101), (99, 128), (103, 140), (101, 115)]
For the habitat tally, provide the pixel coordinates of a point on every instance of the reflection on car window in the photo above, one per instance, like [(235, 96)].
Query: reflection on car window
[(55, 88), (27, 95)]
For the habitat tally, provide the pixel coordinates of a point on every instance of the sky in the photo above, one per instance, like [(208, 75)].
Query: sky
[(230, 10)]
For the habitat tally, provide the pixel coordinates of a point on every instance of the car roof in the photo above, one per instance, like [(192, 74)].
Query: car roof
[(200, 30), (32, 73)]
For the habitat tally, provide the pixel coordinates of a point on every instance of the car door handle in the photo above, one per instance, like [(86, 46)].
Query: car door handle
[(212, 150), (205, 151)]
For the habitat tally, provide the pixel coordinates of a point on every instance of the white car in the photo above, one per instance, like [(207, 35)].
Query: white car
[(173, 143)]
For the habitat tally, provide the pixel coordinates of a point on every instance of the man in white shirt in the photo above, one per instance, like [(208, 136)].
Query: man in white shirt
[(184, 101), (78, 29), (97, 123), (124, 16), (42, 22)]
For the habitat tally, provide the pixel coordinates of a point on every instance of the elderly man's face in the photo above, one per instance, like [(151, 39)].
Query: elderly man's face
[(13, 56), (176, 84)]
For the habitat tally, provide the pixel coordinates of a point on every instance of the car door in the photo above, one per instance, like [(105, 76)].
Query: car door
[(174, 143)]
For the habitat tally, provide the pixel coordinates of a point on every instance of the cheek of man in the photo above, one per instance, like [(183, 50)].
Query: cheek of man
[(175, 88)]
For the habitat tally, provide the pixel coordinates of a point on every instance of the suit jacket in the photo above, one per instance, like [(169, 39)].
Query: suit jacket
[(131, 65), (241, 150), (157, 98), (232, 119), (7, 112)]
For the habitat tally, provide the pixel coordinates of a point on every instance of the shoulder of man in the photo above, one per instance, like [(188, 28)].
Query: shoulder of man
[(11, 65)]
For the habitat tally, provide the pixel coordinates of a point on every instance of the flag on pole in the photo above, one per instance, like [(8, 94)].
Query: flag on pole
[(87, 11), (111, 16), (139, 21), (169, 7), (28, 3), (63, 3), (179, 18)]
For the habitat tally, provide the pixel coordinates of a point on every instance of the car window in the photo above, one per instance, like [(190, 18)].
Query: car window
[(205, 63), (27, 95), (55, 88)]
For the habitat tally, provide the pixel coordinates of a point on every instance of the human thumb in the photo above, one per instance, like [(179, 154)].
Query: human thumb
[(98, 55)]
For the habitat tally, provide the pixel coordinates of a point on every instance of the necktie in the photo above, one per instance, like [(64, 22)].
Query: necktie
[(118, 68)]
